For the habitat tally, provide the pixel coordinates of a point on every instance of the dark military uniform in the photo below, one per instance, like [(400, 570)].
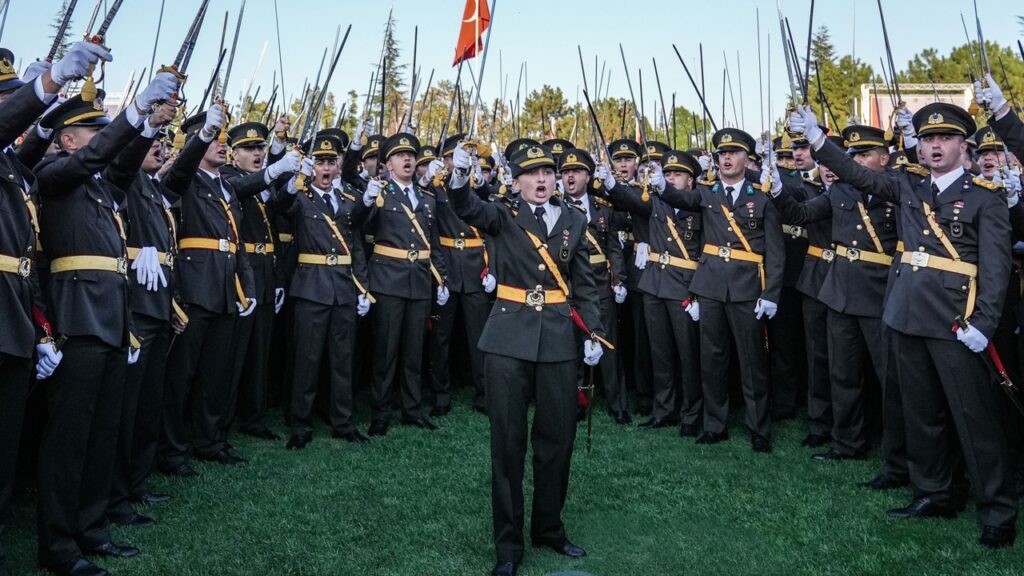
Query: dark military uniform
[(84, 235), (956, 265), (214, 277), (729, 281), (530, 347), (20, 295)]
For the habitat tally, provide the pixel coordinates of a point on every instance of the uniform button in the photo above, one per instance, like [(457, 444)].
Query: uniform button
[(963, 287), (955, 218), (668, 239), (502, 309), (462, 234), (541, 267), (920, 248), (859, 227), (854, 242), (926, 232)]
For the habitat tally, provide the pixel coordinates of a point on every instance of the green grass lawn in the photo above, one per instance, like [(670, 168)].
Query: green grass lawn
[(644, 502)]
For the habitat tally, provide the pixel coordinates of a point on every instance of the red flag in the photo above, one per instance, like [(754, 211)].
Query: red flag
[(475, 19)]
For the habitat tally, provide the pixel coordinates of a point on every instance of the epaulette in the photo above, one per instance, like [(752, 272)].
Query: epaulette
[(347, 196), (917, 169), (813, 182), (601, 201), (708, 183), (578, 207), (426, 191), (988, 184)]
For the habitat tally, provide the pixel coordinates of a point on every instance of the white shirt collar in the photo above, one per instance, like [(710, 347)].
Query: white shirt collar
[(943, 182)]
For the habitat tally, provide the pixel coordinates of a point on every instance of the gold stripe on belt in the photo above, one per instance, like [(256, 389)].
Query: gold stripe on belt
[(726, 253), (220, 245), (794, 231), (537, 297), (20, 266), (96, 263), (666, 259), (410, 255), (326, 260), (823, 253), (853, 255), (260, 248), (285, 237), (926, 260), (462, 243), (596, 259)]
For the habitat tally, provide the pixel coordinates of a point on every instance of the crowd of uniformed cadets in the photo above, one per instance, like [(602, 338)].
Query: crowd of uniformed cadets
[(161, 288)]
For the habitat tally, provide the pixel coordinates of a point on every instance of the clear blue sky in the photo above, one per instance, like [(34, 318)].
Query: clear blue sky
[(544, 34)]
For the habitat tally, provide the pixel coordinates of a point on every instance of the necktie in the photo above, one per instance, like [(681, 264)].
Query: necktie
[(412, 198), (330, 202), (220, 186), (539, 213), (728, 193), (935, 193)]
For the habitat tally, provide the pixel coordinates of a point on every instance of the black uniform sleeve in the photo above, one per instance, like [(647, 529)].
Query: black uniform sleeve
[(682, 199), (66, 174), (486, 216), (17, 112), (628, 198), (774, 254), (179, 178), (994, 263), (33, 148), (802, 213), (864, 179), (1011, 130), (583, 286), (123, 171)]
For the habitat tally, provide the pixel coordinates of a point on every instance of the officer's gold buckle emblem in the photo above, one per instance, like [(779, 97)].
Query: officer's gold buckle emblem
[(828, 255), (460, 243), (664, 258), (24, 267), (332, 260), (852, 254), (261, 248), (919, 259), (122, 266), (413, 255), (223, 245), (169, 260), (536, 298), (796, 231), (724, 252)]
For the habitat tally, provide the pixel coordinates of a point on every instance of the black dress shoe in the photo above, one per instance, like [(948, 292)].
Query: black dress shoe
[(298, 441), (378, 428), (181, 471), (262, 433), (504, 569), (997, 537), (352, 436), (563, 547), (832, 455), (223, 457), (923, 507), (622, 418), (149, 498), (884, 482), (659, 423), (80, 567), (760, 444), (689, 430), (421, 423), (440, 411), (135, 520), (111, 550), (712, 437), (815, 441)]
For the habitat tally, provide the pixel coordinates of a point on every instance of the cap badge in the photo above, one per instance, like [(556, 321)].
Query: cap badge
[(6, 66), (854, 137), (251, 133), (570, 158), (989, 136), (404, 141), (325, 145), (935, 118), (556, 148), (726, 138), (623, 146), (97, 105), (672, 159), (534, 152)]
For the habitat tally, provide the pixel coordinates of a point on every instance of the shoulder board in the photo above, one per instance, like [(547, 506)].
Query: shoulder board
[(601, 201), (708, 183), (986, 183), (577, 207), (426, 191), (812, 182), (917, 169), (347, 196)]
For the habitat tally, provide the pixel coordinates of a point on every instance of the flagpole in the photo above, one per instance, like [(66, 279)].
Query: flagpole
[(483, 62)]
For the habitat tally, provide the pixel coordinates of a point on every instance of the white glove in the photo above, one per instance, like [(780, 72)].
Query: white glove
[(373, 188), (620, 293), (75, 63), (278, 300), (214, 120), (364, 174), (1012, 184), (606, 176), (35, 70), (972, 338), (499, 160), (693, 309), (442, 295), (362, 305), (307, 167), (243, 312), (641, 252), (49, 358), (490, 283), (507, 181), (148, 271), (133, 355), (704, 161), (657, 177), (288, 164), (770, 171), (803, 121), (461, 158), (357, 137), (435, 167), (990, 98), (765, 308), (592, 352), (478, 175), (905, 122), (160, 89)]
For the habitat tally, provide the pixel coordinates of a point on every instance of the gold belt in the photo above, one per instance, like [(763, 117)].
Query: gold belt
[(823, 253), (853, 255), (285, 237), (726, 253), (326, 260), (20, 266), (220, 245), (666, 259), (261, 248), (462, 243), (410, 255), (97, 263), (537, 297), (165, 258), (794, 231), (596, 259), (926, 260)]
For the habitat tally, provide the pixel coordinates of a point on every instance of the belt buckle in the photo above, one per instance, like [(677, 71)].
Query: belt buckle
[(828, 255), (536, 298), (223, 245), (664, 258), (332, 260), (261, 248), (919, 259), (169, 260), (24, 267), (460, 243), (852, 254), (413, 255), (122, 266), (796, 231), (724, 252)]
